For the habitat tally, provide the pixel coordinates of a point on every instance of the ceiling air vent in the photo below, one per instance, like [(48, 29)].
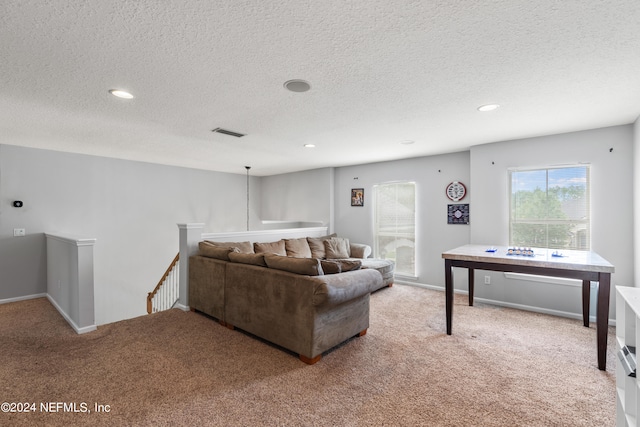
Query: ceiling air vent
[(228, 132)]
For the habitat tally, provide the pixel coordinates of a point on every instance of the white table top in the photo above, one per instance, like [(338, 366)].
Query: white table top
[(543, 258)]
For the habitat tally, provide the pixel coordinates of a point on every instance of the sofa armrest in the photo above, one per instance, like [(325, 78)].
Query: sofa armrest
[(359, 250), (334, 289)]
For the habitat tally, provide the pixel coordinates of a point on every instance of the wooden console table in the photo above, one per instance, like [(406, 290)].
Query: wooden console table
[(582, 265)]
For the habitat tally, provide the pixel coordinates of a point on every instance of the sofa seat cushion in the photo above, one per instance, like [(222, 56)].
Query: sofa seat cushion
[(336, 289), (334, 266), (384, 266)]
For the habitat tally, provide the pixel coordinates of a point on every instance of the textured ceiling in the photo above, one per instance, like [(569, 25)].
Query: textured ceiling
[(381, 71)]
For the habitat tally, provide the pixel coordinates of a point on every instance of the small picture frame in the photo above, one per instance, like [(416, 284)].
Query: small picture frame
[(357, 197)]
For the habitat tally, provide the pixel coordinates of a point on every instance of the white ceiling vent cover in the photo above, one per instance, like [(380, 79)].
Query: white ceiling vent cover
[(228, 132)]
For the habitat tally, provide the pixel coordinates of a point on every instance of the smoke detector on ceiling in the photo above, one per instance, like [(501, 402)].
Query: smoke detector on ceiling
[(297, 85)]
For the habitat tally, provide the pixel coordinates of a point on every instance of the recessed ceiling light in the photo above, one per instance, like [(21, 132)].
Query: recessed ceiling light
[(488, 107), (297, 85), (407, 142), (309, 146), (120, 94)]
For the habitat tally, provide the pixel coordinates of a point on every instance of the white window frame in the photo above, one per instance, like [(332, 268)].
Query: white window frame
[(409, 236), (586, 220)]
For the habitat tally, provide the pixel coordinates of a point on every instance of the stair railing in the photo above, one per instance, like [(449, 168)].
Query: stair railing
[(167, 291)]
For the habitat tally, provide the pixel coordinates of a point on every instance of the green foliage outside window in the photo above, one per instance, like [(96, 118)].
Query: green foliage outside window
[(550, 208)]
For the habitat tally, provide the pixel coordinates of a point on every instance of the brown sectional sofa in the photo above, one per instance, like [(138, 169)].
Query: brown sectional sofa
[(304, 304)]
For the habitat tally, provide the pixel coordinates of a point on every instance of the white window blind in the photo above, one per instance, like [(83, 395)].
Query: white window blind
[(549, 208), (394, 225)]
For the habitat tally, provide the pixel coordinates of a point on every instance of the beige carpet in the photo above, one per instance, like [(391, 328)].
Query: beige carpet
[(501, 367)]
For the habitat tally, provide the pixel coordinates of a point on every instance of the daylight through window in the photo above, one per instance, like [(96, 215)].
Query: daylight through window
[(550, 208), (394, 225)]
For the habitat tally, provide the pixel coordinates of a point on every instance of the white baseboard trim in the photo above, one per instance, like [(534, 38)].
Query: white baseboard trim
[(182, 307), (23, 298), (578, 316), (75, 327)]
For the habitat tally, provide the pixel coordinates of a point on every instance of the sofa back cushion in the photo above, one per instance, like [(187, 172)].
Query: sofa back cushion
[(253, 259), (316, 244), (336, 248), (209, 250), (305, 266), (277, 248), (298, 248), (243, 247)]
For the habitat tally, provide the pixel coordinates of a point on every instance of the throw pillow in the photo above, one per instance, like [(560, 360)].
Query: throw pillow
[(253, 259), (270, 248), (336, 248), (298, 248), (244, 247), (317, 246), (213, 251), (306, 266)]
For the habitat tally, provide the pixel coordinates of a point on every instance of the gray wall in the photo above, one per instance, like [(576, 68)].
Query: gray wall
[(299, 196), (131, 208), (611, 206), (431, 175), (484, 171)]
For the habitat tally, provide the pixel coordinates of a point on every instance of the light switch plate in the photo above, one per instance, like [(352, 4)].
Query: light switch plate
[(19, 232)]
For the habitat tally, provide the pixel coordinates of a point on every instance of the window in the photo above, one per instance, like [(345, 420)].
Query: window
[(394, 225), (550, 208)]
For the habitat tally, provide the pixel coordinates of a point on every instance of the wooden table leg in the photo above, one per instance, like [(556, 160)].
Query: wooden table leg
[(471, 285), (448, 290), (586, 299), (602, 319)]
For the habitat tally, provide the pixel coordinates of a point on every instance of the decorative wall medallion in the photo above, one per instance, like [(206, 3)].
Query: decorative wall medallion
[(456, 191)]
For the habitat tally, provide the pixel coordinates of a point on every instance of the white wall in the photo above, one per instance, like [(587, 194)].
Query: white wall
[(299, 196), (636, 199), (131, 208), (611, 206), (432, 174)]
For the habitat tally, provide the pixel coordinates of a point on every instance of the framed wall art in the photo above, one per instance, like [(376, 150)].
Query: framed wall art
[(458, 214), (357, 197)]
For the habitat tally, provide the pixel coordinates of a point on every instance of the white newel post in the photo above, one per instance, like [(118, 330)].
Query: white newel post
[(190, 235)]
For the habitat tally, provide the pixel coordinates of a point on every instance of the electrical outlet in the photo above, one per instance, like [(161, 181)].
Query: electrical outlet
[(487, 280), (19, 232)]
